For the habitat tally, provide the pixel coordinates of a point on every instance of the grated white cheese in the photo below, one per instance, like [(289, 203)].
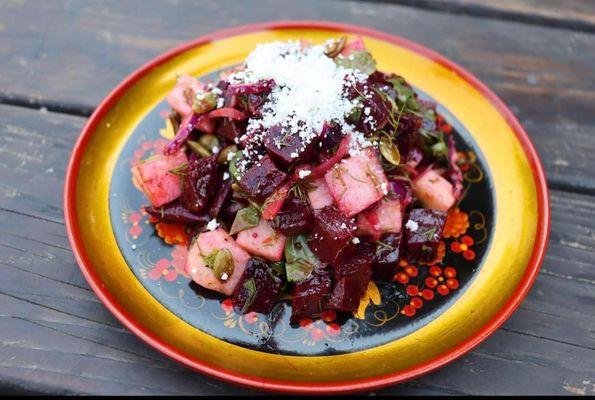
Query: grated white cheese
[(225, 176), (304, 173), (310, 89), (412, 225), (224, 276), (212, 225), (355, 240)]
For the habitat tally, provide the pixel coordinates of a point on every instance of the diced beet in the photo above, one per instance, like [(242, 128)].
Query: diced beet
[(199, 183), (287, 148), (311, 295), (318, 194), (423, 232), (174, 213), (332, 231), (295, 217), (261, 180), (231, 129), (157, 182), (221, 197), (401, 190), (330, 136), (261, 86), (259, 288), (433, 190), (386, 257), (262, 240), (206, 243), (352, 258), (352, 274), (407, 138), (357, 182), (229, 211), (384, 217)]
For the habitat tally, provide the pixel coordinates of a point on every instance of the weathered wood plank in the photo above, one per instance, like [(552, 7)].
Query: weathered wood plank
[(58, 338), (545, 75), (570, 14)]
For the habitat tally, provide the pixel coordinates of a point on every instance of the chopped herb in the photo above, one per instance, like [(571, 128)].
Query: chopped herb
[(360, 60), (245, 218), (301, 261)]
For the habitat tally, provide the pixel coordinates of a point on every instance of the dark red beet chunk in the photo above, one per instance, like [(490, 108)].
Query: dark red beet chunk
[(280, 143), (199, 183), (352, 274), (332, 232), (331, 136), (174, 213), (229, 211), (401, 189), (259, 288), (423, 232), (295, 217), (221, 197), (386, 257), (311, 295), (261, 180), (231, 129)]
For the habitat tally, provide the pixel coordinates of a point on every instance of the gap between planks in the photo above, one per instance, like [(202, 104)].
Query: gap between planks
[(486, 10)]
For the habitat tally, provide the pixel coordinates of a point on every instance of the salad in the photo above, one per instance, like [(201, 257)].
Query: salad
[(303, 174)]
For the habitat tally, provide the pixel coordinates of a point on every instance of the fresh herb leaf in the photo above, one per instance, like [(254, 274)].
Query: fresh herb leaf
[(180, 170), (250, 287), (233, 165), (245, 218), (301, 261), (360, 60)]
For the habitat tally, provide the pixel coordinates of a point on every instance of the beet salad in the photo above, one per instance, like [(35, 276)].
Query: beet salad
[(302, 174)]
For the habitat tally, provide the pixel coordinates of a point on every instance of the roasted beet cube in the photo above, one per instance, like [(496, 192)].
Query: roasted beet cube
[(295, 216), (353, 258), (311, 295), (220, 198), (258, 289), (231, 129), (288, 148), (261, 180), (352, 274), (174, 213), (386, 258), (199, 182), (331, 136), (332, 231), (423, 232)]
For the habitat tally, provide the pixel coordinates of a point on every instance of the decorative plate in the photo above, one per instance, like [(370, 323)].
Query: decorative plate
[(493, 243)]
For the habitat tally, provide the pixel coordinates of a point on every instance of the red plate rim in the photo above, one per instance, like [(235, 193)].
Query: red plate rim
[(538, 254)]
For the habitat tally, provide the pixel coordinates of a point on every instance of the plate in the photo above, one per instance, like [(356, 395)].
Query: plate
[(431, 314)]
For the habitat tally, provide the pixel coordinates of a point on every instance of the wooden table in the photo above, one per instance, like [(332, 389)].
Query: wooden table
[(58, 59)]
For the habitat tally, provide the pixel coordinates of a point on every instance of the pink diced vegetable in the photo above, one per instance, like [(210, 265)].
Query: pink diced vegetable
[(355, 44), (319, 196), (206, 244), (180, 97), (434, 191), (157, 182), (384, 218), (262, 240), (357, 182)]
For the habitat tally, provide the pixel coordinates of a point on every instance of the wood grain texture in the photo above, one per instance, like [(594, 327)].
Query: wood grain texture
[(567, 14), (58, 338), (67, 55)]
